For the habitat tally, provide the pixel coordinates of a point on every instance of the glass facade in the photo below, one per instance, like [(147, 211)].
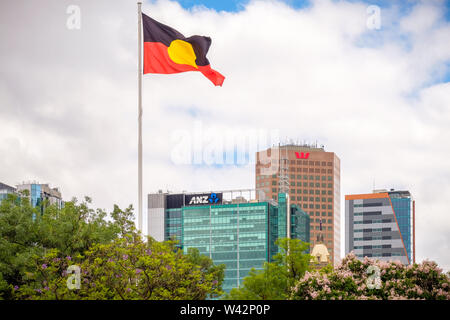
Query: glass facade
[(300, 224), (173, 224), (402, 209), (241, 235), (234, 234), (35, 195)]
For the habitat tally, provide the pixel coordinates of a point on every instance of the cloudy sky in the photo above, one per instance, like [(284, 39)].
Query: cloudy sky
[(319, 70)]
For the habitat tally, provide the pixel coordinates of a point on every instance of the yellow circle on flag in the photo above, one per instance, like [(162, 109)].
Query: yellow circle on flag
[(181, 52)]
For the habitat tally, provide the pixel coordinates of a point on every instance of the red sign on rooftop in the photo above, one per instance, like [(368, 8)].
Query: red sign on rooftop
[(301, 155)]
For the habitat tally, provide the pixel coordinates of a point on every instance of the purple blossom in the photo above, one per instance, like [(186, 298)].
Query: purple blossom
[(46, 288), (214, 282), (118, 275), (148, 251), (38, 290), (169, 267), (125, 257), (138, 271), (69, 258), (16, 288), (44, 266), (128, 290)]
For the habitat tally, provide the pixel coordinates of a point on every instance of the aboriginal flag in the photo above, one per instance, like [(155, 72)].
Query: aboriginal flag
[(168, 51)]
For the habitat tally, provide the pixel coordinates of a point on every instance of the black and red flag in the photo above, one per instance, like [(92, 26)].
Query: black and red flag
[(168, 51)]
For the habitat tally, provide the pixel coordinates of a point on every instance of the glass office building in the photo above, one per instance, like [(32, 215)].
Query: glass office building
[(380, 225), (241, 235), (5, 190)]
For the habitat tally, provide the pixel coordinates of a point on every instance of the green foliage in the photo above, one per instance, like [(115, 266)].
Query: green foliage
[(374, 280), (37, 248), (25, 233), (276, 278), (128, 268)]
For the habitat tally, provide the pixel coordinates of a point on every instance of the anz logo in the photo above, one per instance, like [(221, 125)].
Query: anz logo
[(204, 199), (213, 198), (301, 155)]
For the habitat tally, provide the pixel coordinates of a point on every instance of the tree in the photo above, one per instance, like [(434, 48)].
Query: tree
[(276, 278), (127, 268), (26, 232), (374, 279)]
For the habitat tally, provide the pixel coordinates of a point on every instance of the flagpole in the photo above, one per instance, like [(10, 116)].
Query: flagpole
[(139, 117)]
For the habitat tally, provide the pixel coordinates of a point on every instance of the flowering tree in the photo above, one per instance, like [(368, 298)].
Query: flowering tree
[(128, 268), (374, 279)]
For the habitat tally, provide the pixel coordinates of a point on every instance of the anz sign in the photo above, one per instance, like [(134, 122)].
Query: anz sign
[(202, 199)]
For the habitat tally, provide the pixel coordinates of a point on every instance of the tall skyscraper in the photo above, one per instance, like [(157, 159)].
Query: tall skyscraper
[(311, 176), (236, 231), (381, 225)]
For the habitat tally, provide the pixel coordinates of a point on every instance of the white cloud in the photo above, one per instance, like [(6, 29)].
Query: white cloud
[(68, 111)]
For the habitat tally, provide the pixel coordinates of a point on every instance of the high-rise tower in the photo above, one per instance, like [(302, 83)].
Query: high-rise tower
[(311, 176)]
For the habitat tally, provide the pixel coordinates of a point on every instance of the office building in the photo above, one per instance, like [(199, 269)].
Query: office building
[(311, 176), (40, 192), (381, 225), (239, 232), (5, 190)]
